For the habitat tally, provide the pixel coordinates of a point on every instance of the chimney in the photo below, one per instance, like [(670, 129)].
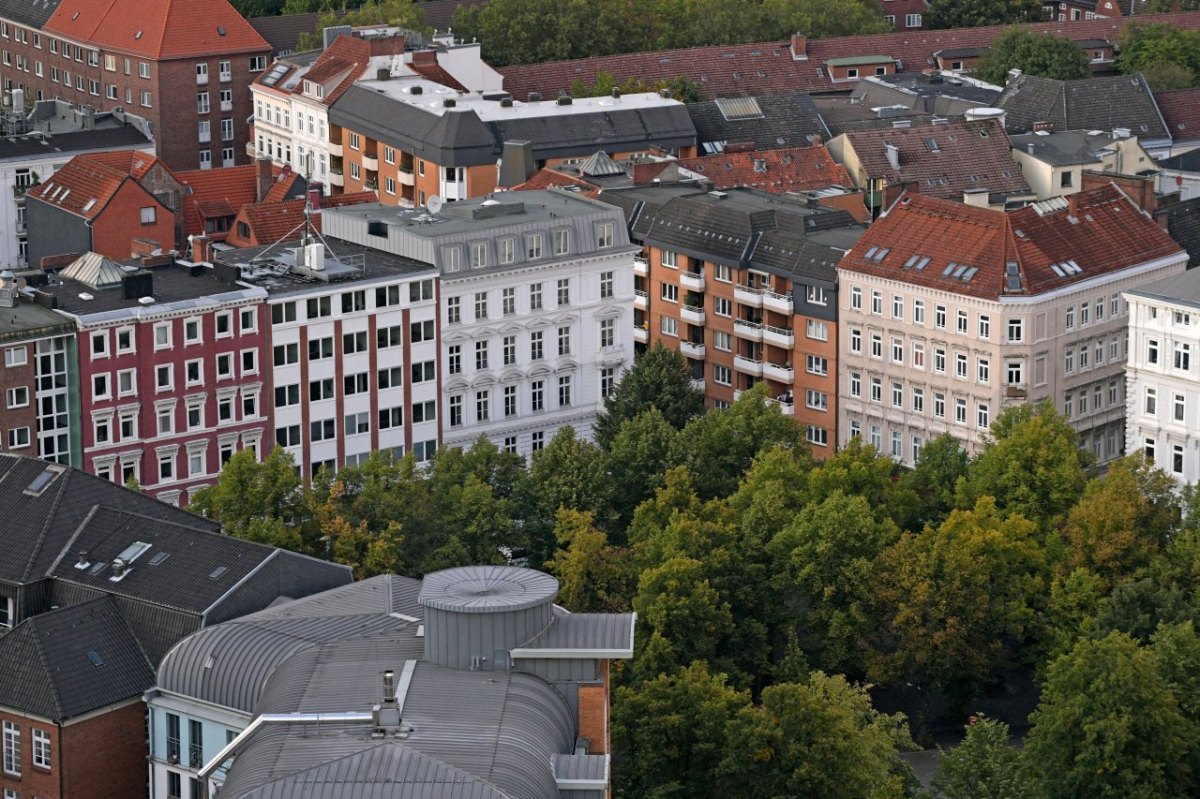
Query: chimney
[(1043, 127), (1073, 205), (799, 47), (383, 73), (893, 155), (262, 177), (201, 248), (516, 163), (1013, 74), (1121, 133), (424, 57), (386, 45), (314, 199)]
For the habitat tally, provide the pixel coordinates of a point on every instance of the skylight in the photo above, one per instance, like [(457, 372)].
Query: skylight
[(94, 656), (217, 572), (43, 480), (132, 552)]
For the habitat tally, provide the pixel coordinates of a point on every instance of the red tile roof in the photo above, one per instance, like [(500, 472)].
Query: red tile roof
[(269, 222), (942, 160), (83, 186), (132, 163), (438, 74), (768, 67), (163, 29), (346, 56), (1101, 230), (549, 178), (223, 192), (1181, 112), (775, 171)]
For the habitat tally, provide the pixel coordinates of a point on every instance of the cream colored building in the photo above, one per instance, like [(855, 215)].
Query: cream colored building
[(1054, 161), (949, 313)]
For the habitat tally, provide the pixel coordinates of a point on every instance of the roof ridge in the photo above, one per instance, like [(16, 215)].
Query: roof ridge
[(53, 687), (34, 550)]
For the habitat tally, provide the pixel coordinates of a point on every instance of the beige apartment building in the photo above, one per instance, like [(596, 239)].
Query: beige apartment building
[(1054, 161), (950, 313)]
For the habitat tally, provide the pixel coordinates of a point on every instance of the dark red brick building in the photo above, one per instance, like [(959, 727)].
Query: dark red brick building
[(184, 66)]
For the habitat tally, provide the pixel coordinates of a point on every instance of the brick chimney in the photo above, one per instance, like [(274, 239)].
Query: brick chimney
[(201, 249), (262, 177), (799, 47), (424, 57), (386, 45)]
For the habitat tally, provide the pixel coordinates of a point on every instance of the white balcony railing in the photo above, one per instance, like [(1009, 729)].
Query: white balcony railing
[(779, 337), (751, 331), (692, 315), (748, 295), (640, 266), (784, 373), (692, 281), (749, 366), (641, 299), (692, 350), (776, 302)]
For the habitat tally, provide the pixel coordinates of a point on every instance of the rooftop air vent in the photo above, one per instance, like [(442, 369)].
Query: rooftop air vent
[(416, 89), (449, 102), (565, 100), (506, 102)]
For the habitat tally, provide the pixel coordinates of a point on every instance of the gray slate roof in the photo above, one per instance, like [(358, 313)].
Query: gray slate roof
[(31, 13), (459, 137), (789, 120), (1182, 288), (1063, 147), (49, 668), (1186, 162), (37, 529), (1123, 101), (1183, 223)]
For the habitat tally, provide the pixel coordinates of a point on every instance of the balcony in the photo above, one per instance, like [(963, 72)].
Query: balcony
[(786, 406), (21, 231), (748, 366), (751, 331), (748, 295), (776, 302), (406, 178), (692, 315), (370, 162), (692, 281), (226, 77), (641, 266), (641, 335), (336, 150), (1015, 391), (202, 79), (692, 350), (698, 384), (641, 299), (336, 178), (205, 137), (227, 105), (251, 150), (778, 336), (784, 373)]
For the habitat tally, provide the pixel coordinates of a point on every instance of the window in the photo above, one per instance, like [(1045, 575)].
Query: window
[(722, 341), (390, 418), (1065, 180), (960, 366), (960, 411), (164, 377), (939, 405), (961, 322), (1016, 331), (320, 348), (897, 350), (453, 359), (897, 395), (564, 292), (391, 377), (533, 246), (1084, 313), (508, 250), (939, 360), (510, 401), (876, 389), (483, 404), (816, 295), (912, 20), (606, 285), (195, 744), (855, 340), (420, 290), (481, 305), (537, 395), (1183, 356), (18, 437), (358, 423), (423, 371), (939, 317), (877, 303), (318, 307), (985, 327), (481, 354), (562, 242), (420, 331), (16, 356), (1151, 351), (322, 430), (817, 365), (918, 400), (919, 312), (1015, 373), (453, 310), (286, 354), (564, 341), (319, 390), (983, 371), (722, 306), (1177, 458), (258, 63), (856, 298), (12, 749), (722, 375), (456, 410), (1070, 317), (358, 383), (604, 235), (607, 332), (876, 345), (897, 306), (354, 301), (982, 416), (100, 389), (817, 331), (283, 313), (41, 749), (1180, 408), (564, 391), (818, 435), (855, 384), (669, 326), (535, 297), (608, 381), (173, 750), (1151, 401), (535, 345)]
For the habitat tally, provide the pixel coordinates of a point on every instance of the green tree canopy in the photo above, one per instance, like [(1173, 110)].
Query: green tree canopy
[(593, 576), (984, 766), (1109, 725), (1044, 55), (934, 478), (638, 459), (1160, 49), (977, 13), (400, 13), (659, 379), (262, 502)]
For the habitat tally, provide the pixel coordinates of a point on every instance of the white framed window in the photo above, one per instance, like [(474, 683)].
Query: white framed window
[(722, 375), (16, 356), (1016, 331), (669, 326), (41, 749), (856, 298), (12, 740)]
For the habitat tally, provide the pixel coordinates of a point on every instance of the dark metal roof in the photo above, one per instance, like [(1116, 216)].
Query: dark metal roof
[(1183, 223), (68, 662), (32, 14), (1186, 162), (607, 633), (592, 768), (787, 120), (1063, 147), (487, 589), (121, 137), (1123, 101), (38, 528)]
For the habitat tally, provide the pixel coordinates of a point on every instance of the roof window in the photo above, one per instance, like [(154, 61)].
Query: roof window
[(40, 483)]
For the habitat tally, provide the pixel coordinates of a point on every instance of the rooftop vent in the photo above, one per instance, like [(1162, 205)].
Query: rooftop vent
[(94, 657), (565, 100), (449, 102), (535, 97), (506, 102), (83, 562), (416, 89)]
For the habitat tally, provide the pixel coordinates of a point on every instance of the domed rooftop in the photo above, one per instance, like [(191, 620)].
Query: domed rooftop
[(487, 589)]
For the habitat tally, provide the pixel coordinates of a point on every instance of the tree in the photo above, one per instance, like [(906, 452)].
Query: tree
[(984, 766), (720, 446), (399, 13), (687, 618), (1043, 55), (593, 576), (824, 565), (570, 473), (1077, 601), (820, 738), (259, 501), (671, 733), (1108, 725), (1167, 76), (821, 19), (977, 13), (660, 379), (1032, 466), (638, 459), (857, 470), (1166, 50), (934, 477), (954, 599)]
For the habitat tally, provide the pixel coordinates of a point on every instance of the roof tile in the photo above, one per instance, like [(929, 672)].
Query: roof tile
[(775, 171)]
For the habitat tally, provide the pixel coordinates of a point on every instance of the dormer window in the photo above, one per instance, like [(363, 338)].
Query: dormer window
[(308, 87), (320, 92)]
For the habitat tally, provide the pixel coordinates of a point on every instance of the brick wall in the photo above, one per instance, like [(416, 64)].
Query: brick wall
[(593, 713), (26, 416), (40, 782), (105, 756)]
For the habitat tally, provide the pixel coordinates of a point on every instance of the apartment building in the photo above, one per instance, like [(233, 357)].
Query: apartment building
[(292, 98), (1054, 161), (413, 138), (174, 369), (949, 313), (744, 285), (39, 380), (420, 676), (1162, 376), (352, 348), (535, 307), (183, 66)]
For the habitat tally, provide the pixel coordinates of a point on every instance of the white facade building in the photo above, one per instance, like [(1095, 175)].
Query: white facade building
[(535, 308), (1163, 375)]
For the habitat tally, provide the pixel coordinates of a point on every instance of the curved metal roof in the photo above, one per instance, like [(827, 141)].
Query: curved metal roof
[(487, 589)]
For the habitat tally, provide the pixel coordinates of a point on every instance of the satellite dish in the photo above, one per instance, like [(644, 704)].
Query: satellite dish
[(434, 205)]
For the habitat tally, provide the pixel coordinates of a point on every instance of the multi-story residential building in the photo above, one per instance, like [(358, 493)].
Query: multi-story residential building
[(744, 285), (351, 348), (97, 584), (174, 369), (535, 307), (183, 66), (467, 660), (413, 138), (292, 99), (1054, 161), (949, 313), (1162, 374), (37, 144), (39, 382)]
